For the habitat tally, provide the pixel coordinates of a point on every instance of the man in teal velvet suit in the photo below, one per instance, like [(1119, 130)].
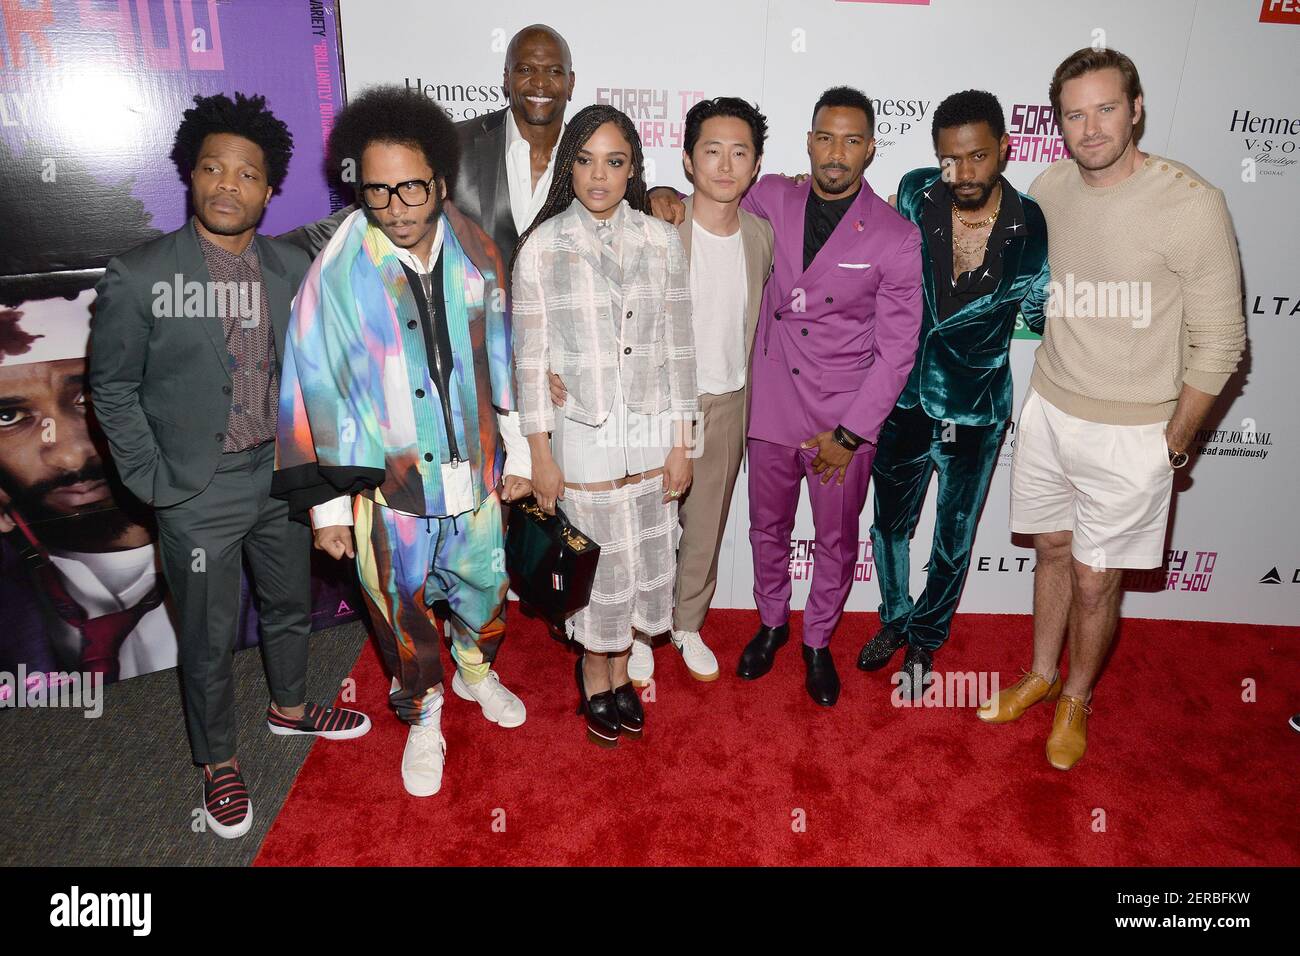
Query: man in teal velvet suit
[(985, 260)]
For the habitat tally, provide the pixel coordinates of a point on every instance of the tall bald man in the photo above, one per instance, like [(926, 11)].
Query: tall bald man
[(508, 155)]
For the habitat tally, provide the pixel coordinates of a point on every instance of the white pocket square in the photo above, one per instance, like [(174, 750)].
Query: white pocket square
[(855, 265)]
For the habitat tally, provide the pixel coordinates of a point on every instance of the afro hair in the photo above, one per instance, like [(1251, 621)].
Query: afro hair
[(392, 114), (245, 116)]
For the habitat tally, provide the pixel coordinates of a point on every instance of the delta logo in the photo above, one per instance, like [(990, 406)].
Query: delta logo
[(1280, 11), (1273, 577)]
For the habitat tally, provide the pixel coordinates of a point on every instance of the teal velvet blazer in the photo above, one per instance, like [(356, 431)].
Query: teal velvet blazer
[(962, 374)]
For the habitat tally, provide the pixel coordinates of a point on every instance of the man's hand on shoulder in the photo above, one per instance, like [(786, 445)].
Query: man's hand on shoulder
[(665, 204)]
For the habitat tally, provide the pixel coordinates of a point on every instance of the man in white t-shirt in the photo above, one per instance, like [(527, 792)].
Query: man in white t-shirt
[(730, 253)]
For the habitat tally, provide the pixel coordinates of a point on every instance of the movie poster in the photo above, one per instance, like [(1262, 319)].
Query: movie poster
[(91, 93)]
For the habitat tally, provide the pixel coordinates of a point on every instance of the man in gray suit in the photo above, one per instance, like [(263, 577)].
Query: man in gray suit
[(507, 156), (185, 356)]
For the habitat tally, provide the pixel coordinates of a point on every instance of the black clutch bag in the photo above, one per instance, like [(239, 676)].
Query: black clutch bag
[(551, 563)]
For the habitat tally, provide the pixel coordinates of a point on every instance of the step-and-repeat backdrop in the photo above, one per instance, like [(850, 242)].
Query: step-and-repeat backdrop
[(1220, 78), (91, 92)]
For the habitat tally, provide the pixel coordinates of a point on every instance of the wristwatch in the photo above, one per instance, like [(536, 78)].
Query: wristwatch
[(1177, 458)]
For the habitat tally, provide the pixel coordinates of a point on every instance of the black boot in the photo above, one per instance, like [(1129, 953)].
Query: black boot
[(601, 711), (877, 651), (760, 653), (822, 682)]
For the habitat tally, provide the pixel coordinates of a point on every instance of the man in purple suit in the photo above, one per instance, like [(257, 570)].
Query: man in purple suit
[(836, 339)]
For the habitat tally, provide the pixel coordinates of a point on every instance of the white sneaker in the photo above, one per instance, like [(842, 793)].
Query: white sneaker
[(641, 665), (499, 705), (699, 659), (422, 760)]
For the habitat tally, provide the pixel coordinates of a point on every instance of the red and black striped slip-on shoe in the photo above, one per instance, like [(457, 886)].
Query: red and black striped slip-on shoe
[(332, 723), (226, 805)]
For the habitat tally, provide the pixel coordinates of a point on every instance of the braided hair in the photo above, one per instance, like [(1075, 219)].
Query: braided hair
[(576, 134)]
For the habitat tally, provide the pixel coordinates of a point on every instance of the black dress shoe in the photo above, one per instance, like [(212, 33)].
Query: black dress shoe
[(601, 711), (877, 651), (760, 653), (822, 682), (917, 665), (631, 716)]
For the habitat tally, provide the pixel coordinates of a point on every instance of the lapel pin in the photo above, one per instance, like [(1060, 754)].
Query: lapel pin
[(858, 225)]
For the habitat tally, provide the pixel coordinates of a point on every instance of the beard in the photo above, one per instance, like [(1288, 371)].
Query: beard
[(95, 528), (431, 210), (836, 189), (977, 200), (540, 115), (1105, 157)]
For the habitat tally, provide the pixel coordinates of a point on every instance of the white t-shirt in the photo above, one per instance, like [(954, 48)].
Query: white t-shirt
[(719, 294)]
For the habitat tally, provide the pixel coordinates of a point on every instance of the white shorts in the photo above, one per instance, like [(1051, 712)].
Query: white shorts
[(1107, 484)]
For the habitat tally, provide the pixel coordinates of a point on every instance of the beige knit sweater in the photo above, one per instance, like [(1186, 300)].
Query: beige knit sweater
[(1146, 292)]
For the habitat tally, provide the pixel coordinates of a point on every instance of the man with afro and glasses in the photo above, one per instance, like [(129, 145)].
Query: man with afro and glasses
[(186, 351), (397, 432)]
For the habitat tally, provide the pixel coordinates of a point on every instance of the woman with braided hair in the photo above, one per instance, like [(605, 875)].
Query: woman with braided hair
[(601, 296)]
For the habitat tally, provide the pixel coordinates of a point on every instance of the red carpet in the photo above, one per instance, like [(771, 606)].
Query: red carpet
[(1179, 770)]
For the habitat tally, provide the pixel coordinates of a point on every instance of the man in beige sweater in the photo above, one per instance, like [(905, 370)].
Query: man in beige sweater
[(1144, 328)]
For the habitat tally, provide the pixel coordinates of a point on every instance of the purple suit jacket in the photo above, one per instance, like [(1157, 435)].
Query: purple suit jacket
[(834, 344)]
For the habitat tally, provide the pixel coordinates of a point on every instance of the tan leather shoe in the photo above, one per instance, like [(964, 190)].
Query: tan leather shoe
[(1009, 704), (1069, 737)]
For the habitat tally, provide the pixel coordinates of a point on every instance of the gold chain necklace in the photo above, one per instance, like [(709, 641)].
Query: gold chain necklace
[(986, 221)]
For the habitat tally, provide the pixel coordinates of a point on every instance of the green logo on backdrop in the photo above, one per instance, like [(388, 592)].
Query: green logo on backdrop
[(1022, 330)]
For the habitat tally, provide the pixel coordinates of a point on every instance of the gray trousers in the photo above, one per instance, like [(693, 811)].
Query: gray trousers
[(203, 542)]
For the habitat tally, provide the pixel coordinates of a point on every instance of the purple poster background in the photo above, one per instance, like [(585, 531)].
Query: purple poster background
[(91, 94)]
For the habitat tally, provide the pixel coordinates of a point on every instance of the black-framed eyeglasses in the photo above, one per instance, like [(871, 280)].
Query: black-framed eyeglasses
[(413, 192)]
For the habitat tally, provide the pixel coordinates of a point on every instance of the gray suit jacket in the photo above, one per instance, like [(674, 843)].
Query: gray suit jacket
[(160, 383), (480, 191)]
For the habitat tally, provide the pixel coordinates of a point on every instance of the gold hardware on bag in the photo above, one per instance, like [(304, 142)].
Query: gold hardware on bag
[(574, 540)]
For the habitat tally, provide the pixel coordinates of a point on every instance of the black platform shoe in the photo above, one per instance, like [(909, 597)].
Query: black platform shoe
[(877, 651), (601, 711), (760, 653), (631, 715), (822, 682)]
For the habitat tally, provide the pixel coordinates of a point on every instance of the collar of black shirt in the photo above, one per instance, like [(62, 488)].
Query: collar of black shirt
[(936, 221)]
